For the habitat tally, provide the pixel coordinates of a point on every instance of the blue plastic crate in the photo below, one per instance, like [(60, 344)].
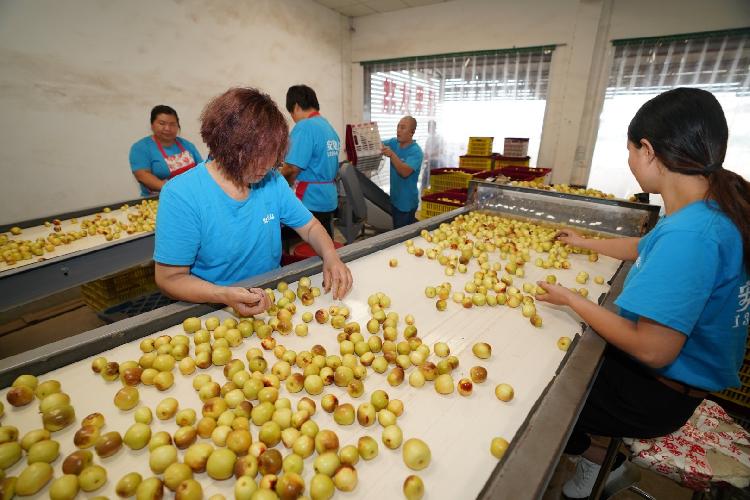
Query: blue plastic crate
[(134, 307)]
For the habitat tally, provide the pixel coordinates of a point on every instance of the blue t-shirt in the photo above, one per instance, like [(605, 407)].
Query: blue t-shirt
[(404, 192), (314, 149), (145, 155), (224, 240), (690, 276)]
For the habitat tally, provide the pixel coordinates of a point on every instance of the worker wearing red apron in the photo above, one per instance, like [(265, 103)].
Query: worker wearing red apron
[(162, 155), (177, 163), (312, 161)]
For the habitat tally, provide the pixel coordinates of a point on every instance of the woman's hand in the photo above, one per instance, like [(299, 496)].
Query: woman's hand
[(570, 237), (555, 294), (246, 302), (336, 276)]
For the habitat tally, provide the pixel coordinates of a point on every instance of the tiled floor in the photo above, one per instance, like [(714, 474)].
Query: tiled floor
[(655, 485)]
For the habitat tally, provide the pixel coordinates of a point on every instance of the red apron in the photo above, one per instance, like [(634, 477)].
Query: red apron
[(301, 186), (179, 163)]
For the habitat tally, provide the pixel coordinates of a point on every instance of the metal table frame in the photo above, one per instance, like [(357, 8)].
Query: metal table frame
[(527, 467), (37, 280)]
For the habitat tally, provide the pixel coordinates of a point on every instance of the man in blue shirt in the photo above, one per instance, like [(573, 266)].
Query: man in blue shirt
[(312, 162), (406, 159)]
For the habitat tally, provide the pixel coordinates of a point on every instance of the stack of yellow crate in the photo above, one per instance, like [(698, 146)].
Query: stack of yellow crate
[(479, 155), (447, 191)]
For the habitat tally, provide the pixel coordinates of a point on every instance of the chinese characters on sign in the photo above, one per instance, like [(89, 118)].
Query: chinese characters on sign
[(389, 96), (398, 98)]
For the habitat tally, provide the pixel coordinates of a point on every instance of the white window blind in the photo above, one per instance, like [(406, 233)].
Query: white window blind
[(643, 68), (497, 94)]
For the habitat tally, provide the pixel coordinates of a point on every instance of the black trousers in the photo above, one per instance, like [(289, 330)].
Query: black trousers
[(289, 236), (628, 401), (326, 219)]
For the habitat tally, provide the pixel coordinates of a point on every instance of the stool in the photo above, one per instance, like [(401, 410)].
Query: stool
[(685, 455), (305, 251)]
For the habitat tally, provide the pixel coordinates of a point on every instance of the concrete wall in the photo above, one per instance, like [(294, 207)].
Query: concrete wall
[(580, 64), (79, 78)]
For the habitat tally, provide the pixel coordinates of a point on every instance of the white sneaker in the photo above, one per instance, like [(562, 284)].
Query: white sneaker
[(581, 484)]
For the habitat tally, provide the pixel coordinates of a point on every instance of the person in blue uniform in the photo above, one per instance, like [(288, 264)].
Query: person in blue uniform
[(220, 222), (312, 162), (685, 305), (406, 159), (159, 157)]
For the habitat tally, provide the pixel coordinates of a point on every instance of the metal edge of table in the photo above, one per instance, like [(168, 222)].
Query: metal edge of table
[(65, 351), (41, 279), (82, 212), (543, 435), (570, 196)]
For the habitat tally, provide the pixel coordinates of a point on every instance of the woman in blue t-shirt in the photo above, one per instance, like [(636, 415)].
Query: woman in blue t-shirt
[(220, 222), (685, 305), (158, 157)]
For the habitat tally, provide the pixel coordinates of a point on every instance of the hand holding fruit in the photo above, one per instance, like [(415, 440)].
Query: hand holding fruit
[(246, 302), (570, 237), (555, 294), (336, 276)]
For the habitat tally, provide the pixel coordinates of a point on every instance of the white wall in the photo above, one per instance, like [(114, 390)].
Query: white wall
[(583, 28), (79, 78)]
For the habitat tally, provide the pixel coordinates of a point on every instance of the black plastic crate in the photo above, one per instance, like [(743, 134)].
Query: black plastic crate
[(134, 307)]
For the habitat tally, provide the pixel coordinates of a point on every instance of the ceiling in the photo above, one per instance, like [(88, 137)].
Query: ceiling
[(357, 8)]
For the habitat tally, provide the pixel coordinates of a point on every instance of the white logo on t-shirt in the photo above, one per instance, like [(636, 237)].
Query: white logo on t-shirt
[(743, 303), (333, 148), (268, 218), (744, 297), (638, 262)]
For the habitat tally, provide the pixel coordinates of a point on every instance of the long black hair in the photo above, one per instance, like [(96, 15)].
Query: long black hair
[(163, 109), (688, 131)]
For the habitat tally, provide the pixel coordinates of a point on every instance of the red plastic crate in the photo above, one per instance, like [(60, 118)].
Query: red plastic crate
[(524, 173), (437, 203)]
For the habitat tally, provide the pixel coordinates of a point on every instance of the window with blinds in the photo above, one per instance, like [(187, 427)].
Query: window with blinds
[(496, 94), (643, 68)]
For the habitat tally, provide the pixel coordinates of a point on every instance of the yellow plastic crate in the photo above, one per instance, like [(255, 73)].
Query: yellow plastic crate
[(511, 161), (480, 146), (106, 292), (431, 209), (476, 162), (439, 203), (443, 179)]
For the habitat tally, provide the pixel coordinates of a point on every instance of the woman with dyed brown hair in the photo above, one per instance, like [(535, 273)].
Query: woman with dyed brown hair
[(220, 223)]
